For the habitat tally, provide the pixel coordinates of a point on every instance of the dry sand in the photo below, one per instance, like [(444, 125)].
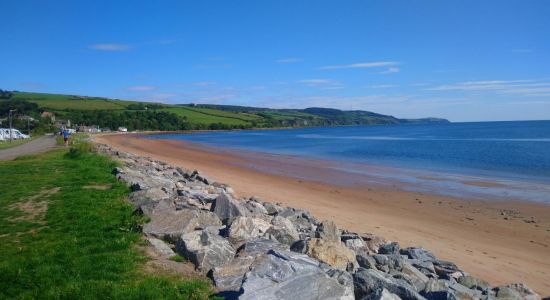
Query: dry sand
[(493, 240)]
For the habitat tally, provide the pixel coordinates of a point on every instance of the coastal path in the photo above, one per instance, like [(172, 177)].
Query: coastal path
[(39, 145)]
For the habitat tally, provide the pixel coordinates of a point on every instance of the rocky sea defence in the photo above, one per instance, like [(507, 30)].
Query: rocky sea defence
[(253, 249)]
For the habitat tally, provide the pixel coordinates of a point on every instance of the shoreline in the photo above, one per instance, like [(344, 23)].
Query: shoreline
[(452, 181), (493, 240)]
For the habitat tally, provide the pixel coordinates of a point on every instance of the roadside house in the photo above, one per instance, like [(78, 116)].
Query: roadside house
[(47, 114), (61, 123)]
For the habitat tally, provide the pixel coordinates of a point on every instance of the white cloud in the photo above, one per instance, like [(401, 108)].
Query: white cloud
[(214, 98), (137, 88), (203, 83), (327, 84), (519, 87), (365, 65), (162, 97), (110, 47), (288, 60), (391, 70), (382, 86)]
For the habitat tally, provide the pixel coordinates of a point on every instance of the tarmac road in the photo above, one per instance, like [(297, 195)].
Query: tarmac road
[(39, 145)]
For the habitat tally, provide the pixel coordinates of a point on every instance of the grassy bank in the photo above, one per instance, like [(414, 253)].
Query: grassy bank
[(67, 233)]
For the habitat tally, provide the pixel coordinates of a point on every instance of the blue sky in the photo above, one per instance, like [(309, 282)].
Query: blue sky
[(462, 60)]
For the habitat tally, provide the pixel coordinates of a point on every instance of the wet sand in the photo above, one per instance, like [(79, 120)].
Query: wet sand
[(499, 241)]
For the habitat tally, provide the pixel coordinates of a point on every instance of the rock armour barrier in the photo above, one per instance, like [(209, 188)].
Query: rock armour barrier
[(252, 249)]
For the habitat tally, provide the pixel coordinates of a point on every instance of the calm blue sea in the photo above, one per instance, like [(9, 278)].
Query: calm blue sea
[(507, 150)]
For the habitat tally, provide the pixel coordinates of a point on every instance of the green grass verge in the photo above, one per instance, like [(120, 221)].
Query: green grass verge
[(63, 238)]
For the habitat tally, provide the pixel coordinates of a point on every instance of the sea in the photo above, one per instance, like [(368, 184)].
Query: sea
[(493, 160)]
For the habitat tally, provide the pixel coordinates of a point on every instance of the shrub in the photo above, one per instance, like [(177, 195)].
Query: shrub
[(80, 148)]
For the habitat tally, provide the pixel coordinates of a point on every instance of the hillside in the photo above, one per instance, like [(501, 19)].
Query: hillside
[(111, 113)]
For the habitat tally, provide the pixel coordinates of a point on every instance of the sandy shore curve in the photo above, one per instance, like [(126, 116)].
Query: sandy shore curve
[(499, 241)]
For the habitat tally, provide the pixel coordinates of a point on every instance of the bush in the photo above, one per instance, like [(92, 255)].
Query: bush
[(80, 148)]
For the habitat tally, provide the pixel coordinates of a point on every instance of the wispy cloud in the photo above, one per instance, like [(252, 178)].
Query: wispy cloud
[(328, 84), (203, 83), (163, 97), (137, 88), (288, 60), (110, 47), (382, 86), (523, 87), (363, 65), (214, 98), (391, 70)]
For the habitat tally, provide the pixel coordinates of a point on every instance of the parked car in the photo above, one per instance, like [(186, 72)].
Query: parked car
[(15, 134)]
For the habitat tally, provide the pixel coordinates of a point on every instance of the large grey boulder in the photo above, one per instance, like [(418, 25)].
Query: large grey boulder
[(191, 203), (153, 194), (414, 277), (366, 261), (259, 246), (161, 247), (426, 267), (343, 277), (368, 281), (300, 246), (207, 219), (149, 207), (302, 219), (381, 294), (506, 293), (283, 231), (443, 267), (389, 263), (327, 230), (289, 275), (391, 248), (474, 283), (245, 228), (437, 289), (229, 277), (205, 249), (418, 254), (255, 207), (272, 208), (462, 292), (141, 181), (357, 245), (171, 225), (227, 208), (512, 290)]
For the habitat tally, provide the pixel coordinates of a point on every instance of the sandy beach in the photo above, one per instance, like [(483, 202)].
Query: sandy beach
[(499, 241)]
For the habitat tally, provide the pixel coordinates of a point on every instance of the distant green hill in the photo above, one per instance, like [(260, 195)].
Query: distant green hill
[(113, 113)]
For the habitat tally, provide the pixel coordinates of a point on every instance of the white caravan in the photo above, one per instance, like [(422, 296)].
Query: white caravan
[(15, 134)]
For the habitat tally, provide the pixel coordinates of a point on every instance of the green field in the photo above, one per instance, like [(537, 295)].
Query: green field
[(208, 116), (67, 233), (62, 102)]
